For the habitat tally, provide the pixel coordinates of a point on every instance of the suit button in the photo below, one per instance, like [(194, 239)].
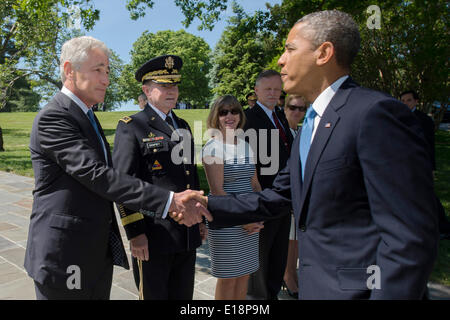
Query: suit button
[(155, 150), (302, 228), (188, 186), (187, 172)]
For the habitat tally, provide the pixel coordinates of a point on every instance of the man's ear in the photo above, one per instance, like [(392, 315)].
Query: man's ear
[(146, 90), (324, 53), (68, 70)]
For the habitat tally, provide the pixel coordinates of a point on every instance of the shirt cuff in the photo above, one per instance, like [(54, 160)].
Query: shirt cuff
[(166, 208)]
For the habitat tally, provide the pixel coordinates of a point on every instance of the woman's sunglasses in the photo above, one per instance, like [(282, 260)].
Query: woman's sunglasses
[(224, 112), (299, 108)]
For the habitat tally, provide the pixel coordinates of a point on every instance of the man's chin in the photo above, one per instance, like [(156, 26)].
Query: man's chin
[(290, 89)]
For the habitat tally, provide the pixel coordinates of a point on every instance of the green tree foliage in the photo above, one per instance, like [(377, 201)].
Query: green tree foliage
[(31, 35), (241, 53), (28, 30), (196, 65), (22, 98), (410, 50)]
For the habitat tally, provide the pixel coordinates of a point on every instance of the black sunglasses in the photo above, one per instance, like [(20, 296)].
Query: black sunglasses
[(224, 112), (299, 108)]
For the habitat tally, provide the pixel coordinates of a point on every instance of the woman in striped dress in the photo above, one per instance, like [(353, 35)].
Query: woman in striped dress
[(230, 168)]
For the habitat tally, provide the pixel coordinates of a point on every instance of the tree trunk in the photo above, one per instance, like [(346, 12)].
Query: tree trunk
[(1, 140)]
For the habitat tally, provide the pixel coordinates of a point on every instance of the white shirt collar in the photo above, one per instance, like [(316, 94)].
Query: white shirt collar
[(75, 99), (323, 100), (160, 113), (266, 110)]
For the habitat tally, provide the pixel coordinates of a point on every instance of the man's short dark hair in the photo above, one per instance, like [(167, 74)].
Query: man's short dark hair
[(266, 74), (414, 94), (337, 27)]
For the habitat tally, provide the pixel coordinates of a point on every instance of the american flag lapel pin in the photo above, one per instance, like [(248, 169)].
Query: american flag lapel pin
[(328, 125)]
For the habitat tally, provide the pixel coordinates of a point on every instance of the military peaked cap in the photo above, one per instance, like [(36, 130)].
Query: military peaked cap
[(162, 69)]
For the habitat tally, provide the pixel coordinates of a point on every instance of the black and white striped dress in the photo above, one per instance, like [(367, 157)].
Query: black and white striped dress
[(233, 252)]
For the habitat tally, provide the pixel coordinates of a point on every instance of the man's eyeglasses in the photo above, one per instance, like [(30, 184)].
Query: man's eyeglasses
[(224, 112), (299, 108)]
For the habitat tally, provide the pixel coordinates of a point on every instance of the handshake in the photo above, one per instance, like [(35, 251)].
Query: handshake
[(189, 207)]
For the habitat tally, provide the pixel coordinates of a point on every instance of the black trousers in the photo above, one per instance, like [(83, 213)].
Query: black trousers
[(100, 290), (167, 276), (273, 250)]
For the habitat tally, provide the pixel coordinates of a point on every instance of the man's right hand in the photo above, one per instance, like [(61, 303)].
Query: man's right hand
[(139, 247), (189, 207)]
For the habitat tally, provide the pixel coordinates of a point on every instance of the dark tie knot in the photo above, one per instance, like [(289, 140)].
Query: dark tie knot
[(169, 120)]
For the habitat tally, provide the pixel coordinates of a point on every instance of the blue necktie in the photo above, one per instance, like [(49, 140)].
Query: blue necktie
[(90, 115), (305, 137), (118, 256)]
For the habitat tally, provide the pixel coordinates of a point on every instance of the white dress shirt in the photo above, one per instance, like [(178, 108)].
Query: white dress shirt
[(163, 115), (268, 112), (323, 100)]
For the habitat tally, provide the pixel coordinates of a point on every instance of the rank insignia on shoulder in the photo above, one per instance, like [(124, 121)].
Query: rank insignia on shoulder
[(126, 119), (156, 166)]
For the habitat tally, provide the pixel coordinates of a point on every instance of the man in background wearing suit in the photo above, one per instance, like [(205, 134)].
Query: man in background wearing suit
[(411, 99), (142, 101), (73, 239), (143, 148), (274, 238), (359, 176)]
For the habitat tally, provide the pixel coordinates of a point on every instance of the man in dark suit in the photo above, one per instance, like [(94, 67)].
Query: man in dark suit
[(411, 99), (266, 120), (359, 176), (144, 147), (73, 238)]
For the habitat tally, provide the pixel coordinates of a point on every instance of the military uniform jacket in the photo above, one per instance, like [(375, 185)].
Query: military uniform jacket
[(143, 148)]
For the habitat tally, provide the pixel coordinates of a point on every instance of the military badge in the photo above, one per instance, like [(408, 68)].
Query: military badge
[(156, 166), (126, 119), (170, 62)]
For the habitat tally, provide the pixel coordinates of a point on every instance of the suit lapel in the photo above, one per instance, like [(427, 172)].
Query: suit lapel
[(259, 112), (85, 124), (294, 165), (108, 150), (156, 122), (326, 126)]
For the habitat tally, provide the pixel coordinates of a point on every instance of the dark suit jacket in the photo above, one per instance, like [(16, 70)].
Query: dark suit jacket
[(257, 119), (143, 148), (367, 199), (427, 125), (74, 189)]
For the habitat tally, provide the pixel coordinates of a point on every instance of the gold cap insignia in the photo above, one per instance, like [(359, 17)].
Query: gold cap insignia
[(170, 63)]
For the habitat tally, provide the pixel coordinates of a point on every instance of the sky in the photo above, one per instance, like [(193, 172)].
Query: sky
[(119, 32)]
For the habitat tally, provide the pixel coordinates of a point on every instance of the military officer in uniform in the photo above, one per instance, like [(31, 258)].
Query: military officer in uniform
[(164, 252)]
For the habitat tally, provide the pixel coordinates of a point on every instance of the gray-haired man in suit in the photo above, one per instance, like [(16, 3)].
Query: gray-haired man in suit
[(74, 239)]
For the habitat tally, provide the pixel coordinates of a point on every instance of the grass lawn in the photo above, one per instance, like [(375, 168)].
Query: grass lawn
[(16, 159)]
